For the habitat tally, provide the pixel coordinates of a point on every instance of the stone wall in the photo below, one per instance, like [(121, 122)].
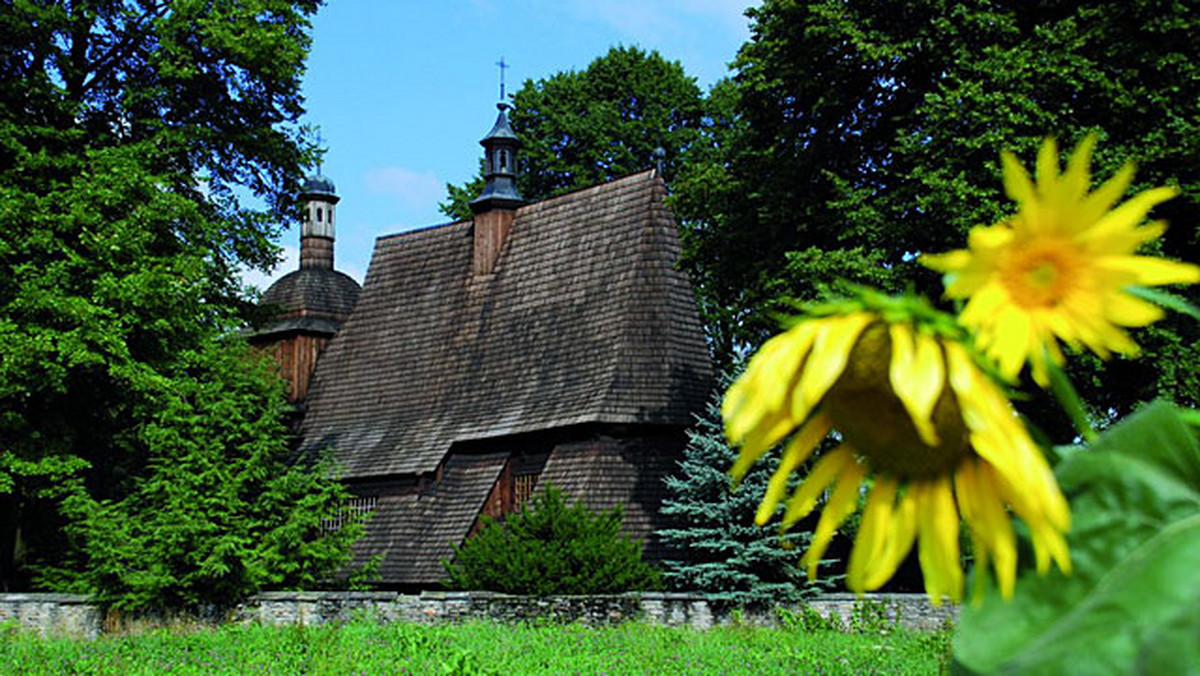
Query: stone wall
[(52, 614)]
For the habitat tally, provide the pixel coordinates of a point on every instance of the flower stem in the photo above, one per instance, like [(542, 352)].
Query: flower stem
[(1069, 399)]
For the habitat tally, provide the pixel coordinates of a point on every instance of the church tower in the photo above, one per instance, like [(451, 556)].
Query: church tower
[(311, 303), (496, 206)]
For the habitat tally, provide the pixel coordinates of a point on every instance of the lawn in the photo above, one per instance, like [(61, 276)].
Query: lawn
[(477, 648)]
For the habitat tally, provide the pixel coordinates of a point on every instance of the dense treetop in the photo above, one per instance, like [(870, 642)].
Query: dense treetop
[(125, 126)]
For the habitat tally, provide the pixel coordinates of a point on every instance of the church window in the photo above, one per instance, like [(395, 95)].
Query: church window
[(523, 485), (318, 214), (353, 510)]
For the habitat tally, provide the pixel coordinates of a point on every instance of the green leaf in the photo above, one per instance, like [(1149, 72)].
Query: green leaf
[(1135, 541)]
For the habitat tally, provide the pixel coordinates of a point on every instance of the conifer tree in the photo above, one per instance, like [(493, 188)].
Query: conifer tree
[(718, 549)]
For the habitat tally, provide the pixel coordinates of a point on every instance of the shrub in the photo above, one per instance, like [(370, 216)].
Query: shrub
[(550, 547)]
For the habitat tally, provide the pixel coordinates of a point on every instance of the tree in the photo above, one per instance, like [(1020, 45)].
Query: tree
[(581, 128), (550, 547), (222, 506), (872, 133), (124, 129), (716, 547)]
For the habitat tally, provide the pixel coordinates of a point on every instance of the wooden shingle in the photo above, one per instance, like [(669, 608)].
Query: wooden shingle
[(584, 319)]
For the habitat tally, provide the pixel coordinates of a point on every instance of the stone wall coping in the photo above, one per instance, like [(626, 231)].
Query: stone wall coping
[(325, 595), (46, 597)]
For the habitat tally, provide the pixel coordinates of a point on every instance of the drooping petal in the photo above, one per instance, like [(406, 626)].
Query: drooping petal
[(823, 473), (917, 377), (797, 451), (982, 508), (842, 503), (763, 388), (828, 358), (937, 520), (870, 545)]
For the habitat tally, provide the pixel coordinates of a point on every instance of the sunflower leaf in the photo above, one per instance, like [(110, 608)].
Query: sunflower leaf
[(1135, 541)]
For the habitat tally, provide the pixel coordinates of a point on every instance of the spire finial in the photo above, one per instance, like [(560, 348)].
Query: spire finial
[(503, 66), (320, 152)]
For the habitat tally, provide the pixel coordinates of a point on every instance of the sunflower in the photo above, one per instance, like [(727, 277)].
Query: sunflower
[(919, 422), (1059, 268)]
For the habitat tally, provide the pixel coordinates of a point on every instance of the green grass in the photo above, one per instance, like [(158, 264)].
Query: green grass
[(476, 648)]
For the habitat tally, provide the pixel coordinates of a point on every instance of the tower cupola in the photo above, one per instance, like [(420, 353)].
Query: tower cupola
[(500, 148), (320, 199)]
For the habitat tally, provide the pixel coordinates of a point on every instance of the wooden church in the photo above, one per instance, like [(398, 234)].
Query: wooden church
[(547, 342)]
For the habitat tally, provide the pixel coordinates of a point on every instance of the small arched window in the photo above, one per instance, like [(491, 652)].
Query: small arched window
[(318, 214), (503, 160)]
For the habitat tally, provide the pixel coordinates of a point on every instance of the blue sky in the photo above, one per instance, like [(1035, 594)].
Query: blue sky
[(403, 91)]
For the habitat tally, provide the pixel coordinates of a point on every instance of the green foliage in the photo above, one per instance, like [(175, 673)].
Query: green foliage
[(222, 509), (865, 134), (124, 129), (1129, 604), (581, 128), (716, 547), (475, 648), (550, 547)]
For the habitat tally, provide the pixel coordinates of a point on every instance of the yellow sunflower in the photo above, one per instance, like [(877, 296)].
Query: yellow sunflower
[(920, 423), (1059, 268)]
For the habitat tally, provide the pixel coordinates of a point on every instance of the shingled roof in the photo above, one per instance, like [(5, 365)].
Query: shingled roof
[(584, 319), (310, 299)]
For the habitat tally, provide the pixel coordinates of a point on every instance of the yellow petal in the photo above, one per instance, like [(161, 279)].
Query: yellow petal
[(899, 541), (841, 505), (762, 389), (797, 451), (1047, 164), (1102, 199), (983, 511), (917, 377), (1131, 212), (938, 548), (1077, 178), (951, 261), (828, 358), (1149, 271), (770, 432), (823, 473), (1014, 333), (1017, 184), (871, 540), (1126, 310)]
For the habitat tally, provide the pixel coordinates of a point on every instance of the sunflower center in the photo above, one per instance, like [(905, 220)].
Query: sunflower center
[(1039, 276), (871, 418)]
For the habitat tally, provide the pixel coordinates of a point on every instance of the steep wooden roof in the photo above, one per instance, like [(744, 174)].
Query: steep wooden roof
[(414, 531), (584, 319)]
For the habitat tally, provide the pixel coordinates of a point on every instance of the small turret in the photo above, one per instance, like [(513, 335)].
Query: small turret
[(316, 231), (495, 207)]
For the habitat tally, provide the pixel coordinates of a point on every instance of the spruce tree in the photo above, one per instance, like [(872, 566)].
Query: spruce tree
[(717, 548)]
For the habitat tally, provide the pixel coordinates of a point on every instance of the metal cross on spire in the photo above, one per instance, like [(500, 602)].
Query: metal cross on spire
[(503, 67), (320, 151)]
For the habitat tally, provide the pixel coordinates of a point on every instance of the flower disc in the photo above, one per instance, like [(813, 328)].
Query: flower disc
[(871, 418)]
